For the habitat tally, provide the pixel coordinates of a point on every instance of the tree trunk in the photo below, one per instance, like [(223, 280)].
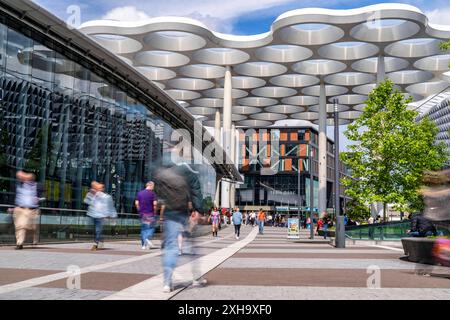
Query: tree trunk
[(384, 211)]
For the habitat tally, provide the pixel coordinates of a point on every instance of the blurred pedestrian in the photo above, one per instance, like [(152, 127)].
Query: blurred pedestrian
[(146, 202), (319, 226), (26, 213), (178, 187), (101, 206), (252, 218), (326, 222)]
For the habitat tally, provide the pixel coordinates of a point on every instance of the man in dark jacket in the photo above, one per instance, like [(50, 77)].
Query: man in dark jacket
[(179, 189), (421, 226)]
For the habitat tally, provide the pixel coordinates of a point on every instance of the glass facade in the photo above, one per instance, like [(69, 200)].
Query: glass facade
[(69, 126), (290, 168)]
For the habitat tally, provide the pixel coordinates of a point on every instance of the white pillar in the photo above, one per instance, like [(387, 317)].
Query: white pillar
[(381, 71), (217, 138), (381, 75), (233, 156), (225, 201), (322, 193), (227, 111), (217, 128), (217, 197)]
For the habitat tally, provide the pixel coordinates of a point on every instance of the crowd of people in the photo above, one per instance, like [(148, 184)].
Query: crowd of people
[(175, 194)]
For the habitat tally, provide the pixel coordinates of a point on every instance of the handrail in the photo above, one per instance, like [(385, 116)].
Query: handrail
[(65, 209), (381, 224)]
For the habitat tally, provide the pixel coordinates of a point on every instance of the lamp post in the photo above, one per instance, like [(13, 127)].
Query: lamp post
[(340, 228)]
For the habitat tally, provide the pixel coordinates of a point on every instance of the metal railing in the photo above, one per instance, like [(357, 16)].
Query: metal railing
[(379, 231), (69, 225), (395, 230)]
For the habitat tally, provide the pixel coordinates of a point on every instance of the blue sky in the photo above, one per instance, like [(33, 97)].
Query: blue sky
[(231, 16)]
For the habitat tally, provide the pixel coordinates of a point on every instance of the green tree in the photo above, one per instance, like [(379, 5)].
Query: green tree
[(392, 151), (445, 46), (207, 203), (357, 211)]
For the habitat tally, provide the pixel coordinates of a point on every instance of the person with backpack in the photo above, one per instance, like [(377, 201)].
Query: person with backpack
[(101, 206), (179, 189), (237, 221), (146, 202)]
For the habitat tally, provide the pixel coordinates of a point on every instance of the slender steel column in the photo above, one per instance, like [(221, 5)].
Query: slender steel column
[(322, 205), (381, 71), (340, 228), (381, 75)]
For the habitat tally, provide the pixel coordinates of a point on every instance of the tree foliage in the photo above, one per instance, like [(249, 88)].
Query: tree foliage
[(357, 211), (392, 151), (445, 46)]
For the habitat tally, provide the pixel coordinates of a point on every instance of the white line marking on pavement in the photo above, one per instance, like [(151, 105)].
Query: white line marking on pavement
[(386, 247), (151, 289), (62, 275)]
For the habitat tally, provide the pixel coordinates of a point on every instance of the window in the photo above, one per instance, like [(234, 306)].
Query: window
[(294, 136)]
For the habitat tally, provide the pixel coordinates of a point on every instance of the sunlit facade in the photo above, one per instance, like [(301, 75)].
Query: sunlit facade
[(274, 183), (70, 126)]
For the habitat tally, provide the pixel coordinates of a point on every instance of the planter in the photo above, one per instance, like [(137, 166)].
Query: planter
[(418, 249)]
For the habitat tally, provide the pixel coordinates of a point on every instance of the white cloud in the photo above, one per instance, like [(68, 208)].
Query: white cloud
[(128, 13), (216, 15), (439, 16)]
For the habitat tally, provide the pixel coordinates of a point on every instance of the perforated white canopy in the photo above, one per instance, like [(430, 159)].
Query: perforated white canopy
[(276, 75)]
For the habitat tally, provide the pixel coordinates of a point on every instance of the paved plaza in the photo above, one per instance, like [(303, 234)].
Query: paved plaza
[(268, 266)]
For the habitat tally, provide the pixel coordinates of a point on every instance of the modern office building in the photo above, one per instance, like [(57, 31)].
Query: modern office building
[(72, 112), (438, 110), (273, 183)]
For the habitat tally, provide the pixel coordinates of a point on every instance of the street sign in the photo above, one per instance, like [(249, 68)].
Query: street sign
[(293, 228)]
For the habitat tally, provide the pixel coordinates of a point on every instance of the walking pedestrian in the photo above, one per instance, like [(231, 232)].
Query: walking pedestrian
[(178, 187), (237, 221), (26, 213), (319, 226), (261, 220), (146, 202), (215, 221), (100, 207), (253, 218), (326, 222)]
